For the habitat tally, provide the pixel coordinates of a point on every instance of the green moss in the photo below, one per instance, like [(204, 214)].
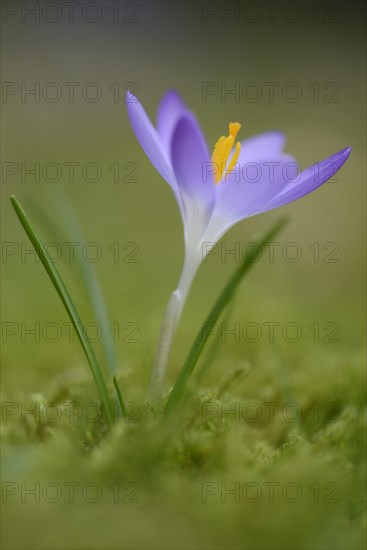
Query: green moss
[(203, 479)]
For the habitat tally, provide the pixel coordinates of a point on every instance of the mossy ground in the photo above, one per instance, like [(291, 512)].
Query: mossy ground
[(222, 473)]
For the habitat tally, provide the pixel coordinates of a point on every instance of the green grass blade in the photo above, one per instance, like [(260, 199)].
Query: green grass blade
[(224, 298), (94, 292), (119, 397), (68, 304), (212, 352), (63, 205)]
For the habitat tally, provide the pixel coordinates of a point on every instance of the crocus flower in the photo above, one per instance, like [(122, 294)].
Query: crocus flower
[(214, 192)]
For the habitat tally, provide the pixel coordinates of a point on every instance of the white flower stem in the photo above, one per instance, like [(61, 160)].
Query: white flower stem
[(167, 332), (168, 328)]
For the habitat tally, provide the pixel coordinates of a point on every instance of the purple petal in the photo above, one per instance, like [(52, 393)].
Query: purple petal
[(240, 200), (268, 145), (151, 142), (170, 110), (251, 185), (191, 161), (310, 179)]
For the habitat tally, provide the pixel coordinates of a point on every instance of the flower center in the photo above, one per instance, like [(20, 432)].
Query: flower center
[(222, 151)]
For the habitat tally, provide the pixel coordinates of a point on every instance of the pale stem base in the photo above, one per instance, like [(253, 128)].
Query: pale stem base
[(168, 329)]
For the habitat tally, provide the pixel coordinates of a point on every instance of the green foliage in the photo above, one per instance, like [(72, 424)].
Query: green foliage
[(70, 308)]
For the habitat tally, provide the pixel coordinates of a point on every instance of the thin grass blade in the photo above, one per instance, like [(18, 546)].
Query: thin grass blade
[(74, 230), (213, 350), (68, 304), (178, 390), (63, 205), (119, 397)]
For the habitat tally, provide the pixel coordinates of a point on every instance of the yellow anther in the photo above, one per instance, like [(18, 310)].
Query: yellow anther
[(217, 146), (234, 158), (222, 151), (234, 128)]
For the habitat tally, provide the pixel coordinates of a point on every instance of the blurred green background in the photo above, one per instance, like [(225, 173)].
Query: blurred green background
[(152, 47)]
